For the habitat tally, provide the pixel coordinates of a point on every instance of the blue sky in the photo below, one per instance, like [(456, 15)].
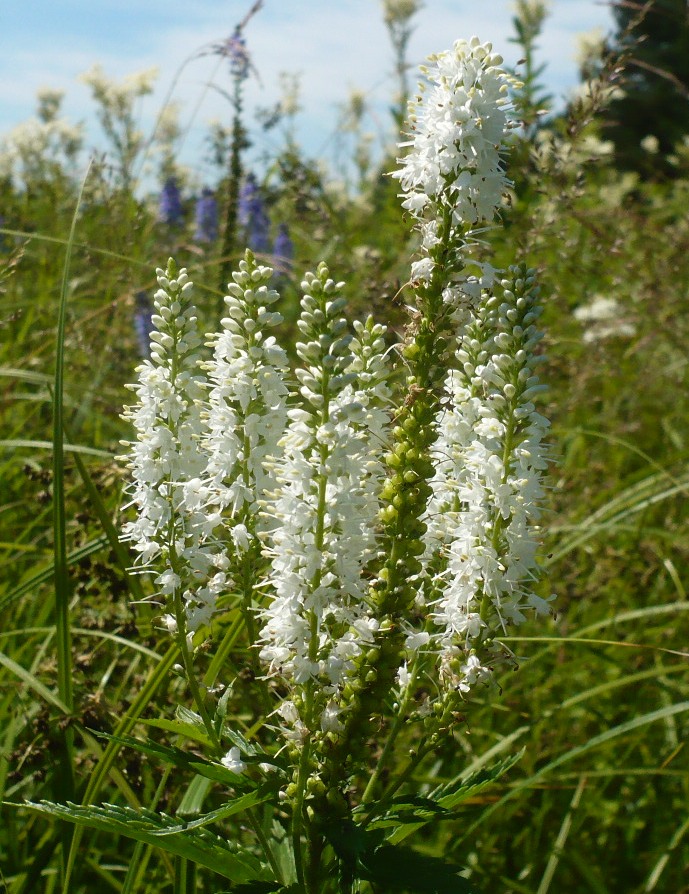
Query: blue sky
[(334, 45)]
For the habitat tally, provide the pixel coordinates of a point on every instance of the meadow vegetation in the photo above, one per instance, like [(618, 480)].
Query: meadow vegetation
[(599, 709)]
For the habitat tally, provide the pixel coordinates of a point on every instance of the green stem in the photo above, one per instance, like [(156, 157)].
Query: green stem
[(229, 243), (498, 521), (395, 730), (191, 677), (303, 773), (298, 808)]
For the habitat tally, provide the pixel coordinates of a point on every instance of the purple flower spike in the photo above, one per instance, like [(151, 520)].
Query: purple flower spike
[(206, 217), (252, 216), (283, 250), (170, 210), (143, 324), (234, 48)]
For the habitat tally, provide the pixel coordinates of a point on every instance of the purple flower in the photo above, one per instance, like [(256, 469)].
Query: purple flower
[(283, 249), (234, 48), (206, 217), (170, 210), (252, 216), (142, 322)]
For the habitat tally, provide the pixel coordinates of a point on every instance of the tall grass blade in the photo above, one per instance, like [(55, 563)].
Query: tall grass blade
[(609, 734), (561, 839), (659, 868), (64, 781)]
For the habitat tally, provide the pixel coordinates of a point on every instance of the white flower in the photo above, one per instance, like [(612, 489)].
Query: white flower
[(459, 120), (481, 545), (233, 761), (415, 641), (403, 677), (422, 269), (247, 412), (325, 507), (473, 672), (650, 144), (174, 524), (330, 722), (604, 318), (452, 176)]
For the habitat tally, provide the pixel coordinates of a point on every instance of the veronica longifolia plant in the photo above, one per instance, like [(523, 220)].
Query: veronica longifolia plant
[(378, 540)]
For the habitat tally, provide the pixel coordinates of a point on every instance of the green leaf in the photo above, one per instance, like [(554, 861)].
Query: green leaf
[(237, 806), (16, 443), (194, 796), (187, 730), (168, 754), (408, 813), (283, 851), (46, 574), (451, 794), (221, 709), (409, 809), (187, 716), (400, 869), (195, 844), (249, 749), (393, 868), (23, 674), (264, 888), (349, 840)]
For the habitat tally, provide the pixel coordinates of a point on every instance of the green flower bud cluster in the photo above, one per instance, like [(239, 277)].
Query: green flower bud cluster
[(176, 338), (326, 354), (403, 501)]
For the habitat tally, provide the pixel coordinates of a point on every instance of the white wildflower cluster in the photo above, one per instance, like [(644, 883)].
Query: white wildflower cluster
[(206, 432), (604, 318), (117, 113), (119, 98), (172, 524), (357, 541), (316, 622), (490, 461), (453, 178), (247, 410), (41, 147)]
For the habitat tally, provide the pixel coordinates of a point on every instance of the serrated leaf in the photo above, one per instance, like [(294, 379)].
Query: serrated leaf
[(200, 846), (393, 868), (451, 794), (399, 869), (349, 840), (168, 754), (236, 806), (408, 809)]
